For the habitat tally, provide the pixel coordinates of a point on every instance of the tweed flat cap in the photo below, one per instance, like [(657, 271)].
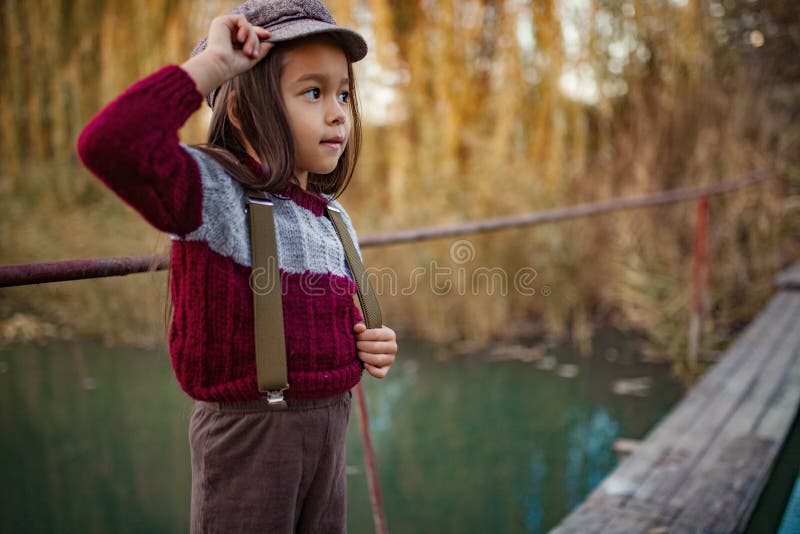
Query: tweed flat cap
[(291, 19)]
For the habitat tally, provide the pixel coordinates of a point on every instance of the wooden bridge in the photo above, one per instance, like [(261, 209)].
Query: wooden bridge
[(702, 469)]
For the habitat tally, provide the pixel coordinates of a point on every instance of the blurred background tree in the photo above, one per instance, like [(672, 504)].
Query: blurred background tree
[(473, 108)]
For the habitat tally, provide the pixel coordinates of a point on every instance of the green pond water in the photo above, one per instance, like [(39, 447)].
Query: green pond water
[(95, 439)]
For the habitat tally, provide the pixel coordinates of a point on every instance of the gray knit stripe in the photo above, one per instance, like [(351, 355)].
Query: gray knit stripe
[(305, 241), (224, 224)]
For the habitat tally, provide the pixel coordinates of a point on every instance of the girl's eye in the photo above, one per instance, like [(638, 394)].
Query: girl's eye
[(313, 94), (344, 96)]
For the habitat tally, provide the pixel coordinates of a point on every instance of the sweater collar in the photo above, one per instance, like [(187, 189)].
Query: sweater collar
[(313, 202)]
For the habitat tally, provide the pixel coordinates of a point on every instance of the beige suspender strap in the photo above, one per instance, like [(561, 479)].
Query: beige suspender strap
[(265, 283), (370, 308)]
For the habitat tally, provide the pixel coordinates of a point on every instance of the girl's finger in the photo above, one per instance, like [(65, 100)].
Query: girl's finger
[(377, 372), (377, 347), (377, 334), (378, 360), (241, 35), (247, 46), (253, 43), (264, 47)]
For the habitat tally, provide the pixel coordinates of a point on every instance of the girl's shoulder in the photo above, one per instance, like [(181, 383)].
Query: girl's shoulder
[(348, 222), (224, 221), (334, 202), (219, 186), (210, 168)]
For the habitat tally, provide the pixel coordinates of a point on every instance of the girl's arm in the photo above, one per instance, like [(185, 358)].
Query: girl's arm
[(132, 145)]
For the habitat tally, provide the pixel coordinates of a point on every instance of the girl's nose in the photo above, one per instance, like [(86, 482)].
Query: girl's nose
[(337, 113)]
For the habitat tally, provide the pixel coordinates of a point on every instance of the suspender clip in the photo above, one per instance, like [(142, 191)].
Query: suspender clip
[(276, 400)]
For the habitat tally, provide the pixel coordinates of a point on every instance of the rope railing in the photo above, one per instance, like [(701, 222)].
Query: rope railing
[(570, 212), (60, 271)]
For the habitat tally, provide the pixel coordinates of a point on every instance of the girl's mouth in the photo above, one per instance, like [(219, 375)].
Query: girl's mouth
[(333, 142)]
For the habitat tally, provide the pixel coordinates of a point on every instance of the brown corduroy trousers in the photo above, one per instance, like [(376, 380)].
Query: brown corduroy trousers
[(257, 469)]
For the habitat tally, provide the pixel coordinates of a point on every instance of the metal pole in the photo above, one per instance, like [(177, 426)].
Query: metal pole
[(699, 275), (378, 517), (61, 271)]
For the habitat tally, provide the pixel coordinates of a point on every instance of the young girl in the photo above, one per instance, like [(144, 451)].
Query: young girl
[(278, 77)]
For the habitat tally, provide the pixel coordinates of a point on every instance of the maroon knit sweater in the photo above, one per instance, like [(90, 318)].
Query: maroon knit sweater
[(132, 146)]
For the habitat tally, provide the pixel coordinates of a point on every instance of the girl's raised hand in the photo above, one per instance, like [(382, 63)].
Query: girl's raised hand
[(237, 43), (377, 348), (233, 46)]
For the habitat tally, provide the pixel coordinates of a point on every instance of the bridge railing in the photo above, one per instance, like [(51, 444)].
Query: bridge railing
[(80, 269)]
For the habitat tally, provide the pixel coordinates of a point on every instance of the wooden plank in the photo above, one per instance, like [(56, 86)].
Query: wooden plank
[(636, 516), (626, 521), (657, 452), (739, 515), (717, 445), (715, 503), (759, 400), (773, 427), (657, 447), (789, 278), (590, 516), (775, 422), (710, 422), (688, 432), (716, 377)]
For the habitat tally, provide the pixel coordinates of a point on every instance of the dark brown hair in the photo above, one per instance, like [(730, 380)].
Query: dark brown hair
[(257, 104)]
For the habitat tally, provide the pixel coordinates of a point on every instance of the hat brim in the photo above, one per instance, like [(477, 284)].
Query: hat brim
[(353, 44)]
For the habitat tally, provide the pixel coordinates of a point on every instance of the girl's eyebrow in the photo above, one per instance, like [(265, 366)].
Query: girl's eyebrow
[(320, 78)]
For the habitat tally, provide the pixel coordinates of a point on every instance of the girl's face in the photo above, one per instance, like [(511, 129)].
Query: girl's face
[(316, 92)]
